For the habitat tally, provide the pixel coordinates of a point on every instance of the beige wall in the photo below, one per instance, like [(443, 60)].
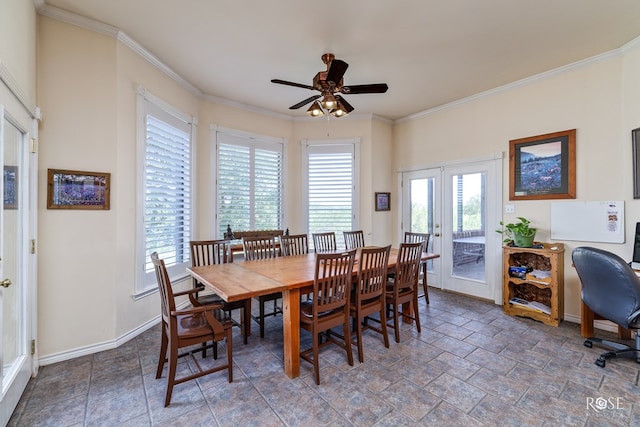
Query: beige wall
[(87, 266), (18, 44), (592, 98)]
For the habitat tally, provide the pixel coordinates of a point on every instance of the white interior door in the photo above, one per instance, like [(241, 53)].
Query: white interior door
[(15, 315), (422, 213)]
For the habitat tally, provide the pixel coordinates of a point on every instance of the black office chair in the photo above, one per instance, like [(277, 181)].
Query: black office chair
[(611, 289)]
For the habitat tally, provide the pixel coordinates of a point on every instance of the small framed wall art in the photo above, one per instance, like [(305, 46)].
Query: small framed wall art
[(383, 201), (67, 189)]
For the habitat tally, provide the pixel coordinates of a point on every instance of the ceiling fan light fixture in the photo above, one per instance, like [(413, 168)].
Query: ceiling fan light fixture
[(329, 102), (315, 110), (341, 110)]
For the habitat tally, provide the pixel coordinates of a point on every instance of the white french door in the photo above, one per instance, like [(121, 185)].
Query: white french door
[(15, 267), (459, 205), (421, 209)]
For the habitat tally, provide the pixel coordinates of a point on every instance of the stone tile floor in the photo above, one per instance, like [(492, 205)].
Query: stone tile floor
[(471, 365)]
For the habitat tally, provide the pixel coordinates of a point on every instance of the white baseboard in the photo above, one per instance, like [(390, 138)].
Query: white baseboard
[(95, 348)]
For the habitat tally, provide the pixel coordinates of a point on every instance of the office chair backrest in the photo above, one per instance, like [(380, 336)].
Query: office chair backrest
[(610, 287)]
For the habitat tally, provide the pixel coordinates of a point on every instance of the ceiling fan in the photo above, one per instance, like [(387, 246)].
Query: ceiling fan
[(330, 84)]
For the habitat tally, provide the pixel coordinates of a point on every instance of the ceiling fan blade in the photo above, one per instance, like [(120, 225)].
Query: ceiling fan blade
[(284, 82), (305, 102), (336, 71), (370, 88), (347, 106)]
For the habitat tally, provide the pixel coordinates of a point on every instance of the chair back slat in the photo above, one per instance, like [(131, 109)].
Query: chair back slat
[(332, 281), (353, 239), (295, 244), (372, 272), (410, 237), (208, 252), (324, 242), (408, 265), (256, 248)]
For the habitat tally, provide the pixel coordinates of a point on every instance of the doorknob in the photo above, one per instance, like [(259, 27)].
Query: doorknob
[(5, 283), (437, 234)]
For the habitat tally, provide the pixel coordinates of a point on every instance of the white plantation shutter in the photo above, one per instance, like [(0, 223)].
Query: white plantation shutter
[(249, 191), (331, 189), (167, 213), (164, 159), (234, 187)]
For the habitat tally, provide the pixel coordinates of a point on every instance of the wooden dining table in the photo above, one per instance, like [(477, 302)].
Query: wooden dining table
[(292, 275)]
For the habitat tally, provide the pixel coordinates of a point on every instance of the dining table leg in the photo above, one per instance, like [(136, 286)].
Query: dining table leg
[(291, 328)]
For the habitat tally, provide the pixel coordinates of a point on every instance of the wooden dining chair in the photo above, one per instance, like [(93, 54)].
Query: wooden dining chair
[(187, 328), (210, 252), (402, 289), (294, 244), (324, 242), (410, 237), (329, 305), (368, 296), (259, 248), (353, 239)]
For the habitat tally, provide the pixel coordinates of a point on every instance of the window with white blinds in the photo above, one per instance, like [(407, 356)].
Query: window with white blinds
[(331, 188), (166, 185), (250, 183)]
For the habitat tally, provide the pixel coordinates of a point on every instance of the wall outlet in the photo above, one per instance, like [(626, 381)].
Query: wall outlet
[(509, 209)]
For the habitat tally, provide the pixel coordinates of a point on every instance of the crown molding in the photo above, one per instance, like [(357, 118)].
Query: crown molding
[(153, 60), (522, 82), (77, 20), (246, 107), (630, 45)]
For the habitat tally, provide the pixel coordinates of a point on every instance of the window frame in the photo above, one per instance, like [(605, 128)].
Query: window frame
[(145, 282), (253, 141), (306, 146)]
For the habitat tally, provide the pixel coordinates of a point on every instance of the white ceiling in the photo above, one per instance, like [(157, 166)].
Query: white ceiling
[(429, 52)]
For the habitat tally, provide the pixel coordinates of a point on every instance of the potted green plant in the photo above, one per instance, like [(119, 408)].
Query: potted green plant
[(521, 233)]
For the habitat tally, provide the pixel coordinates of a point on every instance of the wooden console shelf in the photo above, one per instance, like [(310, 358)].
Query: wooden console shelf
[(548, 290)]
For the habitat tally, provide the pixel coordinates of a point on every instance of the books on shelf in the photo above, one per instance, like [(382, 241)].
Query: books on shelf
[(533, 305), (542, 277)]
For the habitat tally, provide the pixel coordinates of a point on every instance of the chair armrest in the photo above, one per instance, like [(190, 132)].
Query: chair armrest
[(196, 310), (190, 291)]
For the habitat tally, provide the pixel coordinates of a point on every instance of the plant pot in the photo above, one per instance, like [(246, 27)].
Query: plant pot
[(523, 241)]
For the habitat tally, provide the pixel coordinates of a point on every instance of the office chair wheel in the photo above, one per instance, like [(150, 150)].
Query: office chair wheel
[(601, 362), (588, 344)]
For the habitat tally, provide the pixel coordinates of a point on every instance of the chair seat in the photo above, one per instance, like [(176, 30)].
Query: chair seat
[(195, 325), (306, 309)]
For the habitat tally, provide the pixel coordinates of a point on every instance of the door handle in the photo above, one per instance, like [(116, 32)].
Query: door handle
[(437, 234), (5, 283)]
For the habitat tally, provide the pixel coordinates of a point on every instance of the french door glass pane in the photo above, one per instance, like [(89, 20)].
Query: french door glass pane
[(11, 248), (468, 219)]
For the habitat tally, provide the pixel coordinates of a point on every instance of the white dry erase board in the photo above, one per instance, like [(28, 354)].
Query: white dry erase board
[(588, 221)]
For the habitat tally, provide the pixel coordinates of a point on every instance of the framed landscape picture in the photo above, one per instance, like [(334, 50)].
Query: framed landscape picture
[(67, 189), (543, 166)]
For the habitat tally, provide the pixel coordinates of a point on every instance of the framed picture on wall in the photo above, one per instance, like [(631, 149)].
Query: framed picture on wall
[(543, 166), (67, 189), (382, 201)]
